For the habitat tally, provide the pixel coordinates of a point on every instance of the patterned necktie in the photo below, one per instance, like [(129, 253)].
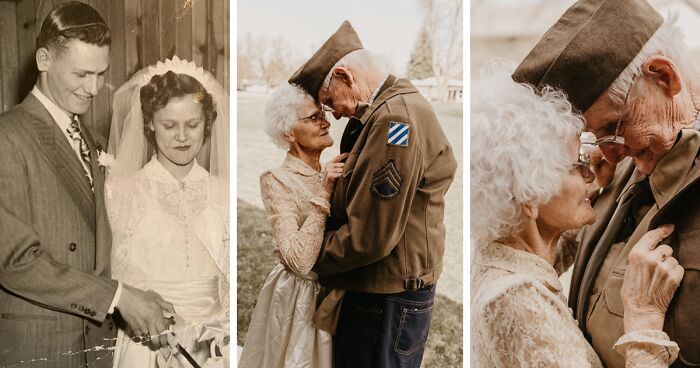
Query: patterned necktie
[(74, 133)]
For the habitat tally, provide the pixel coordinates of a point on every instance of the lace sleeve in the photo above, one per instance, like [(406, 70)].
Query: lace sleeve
[(298, 246), (647, 348), (526, 326), (118, 203)]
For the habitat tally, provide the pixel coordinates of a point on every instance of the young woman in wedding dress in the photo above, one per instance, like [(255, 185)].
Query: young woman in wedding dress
[(169, 214)]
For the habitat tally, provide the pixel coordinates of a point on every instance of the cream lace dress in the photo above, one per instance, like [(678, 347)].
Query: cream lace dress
[(520, 318), (172, 237), (281, 333)]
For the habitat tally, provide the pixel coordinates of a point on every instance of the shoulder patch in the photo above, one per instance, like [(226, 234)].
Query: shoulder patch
[(386, 182), (398, 134)]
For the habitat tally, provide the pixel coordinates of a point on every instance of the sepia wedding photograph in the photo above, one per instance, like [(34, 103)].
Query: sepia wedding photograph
[(114, 177)]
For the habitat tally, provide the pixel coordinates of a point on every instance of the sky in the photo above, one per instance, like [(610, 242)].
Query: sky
[(386, 27)]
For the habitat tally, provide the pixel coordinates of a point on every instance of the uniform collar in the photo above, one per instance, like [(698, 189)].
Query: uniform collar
[(671, 170), (298, 166), (58, 115), (669, 173), (390, 88), (516, 261)]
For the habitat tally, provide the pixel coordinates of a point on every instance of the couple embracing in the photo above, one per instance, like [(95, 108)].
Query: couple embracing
[(359, 241), (119, 258)]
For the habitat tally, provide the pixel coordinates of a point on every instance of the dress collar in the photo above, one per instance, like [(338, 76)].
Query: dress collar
[(156, 171), (298, 166), (516, 261)]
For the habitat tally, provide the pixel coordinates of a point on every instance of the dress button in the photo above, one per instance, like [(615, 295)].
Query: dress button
[(87, 311), (74, 306), (87, 329), (81, 308), (111, 326), (72, 247)]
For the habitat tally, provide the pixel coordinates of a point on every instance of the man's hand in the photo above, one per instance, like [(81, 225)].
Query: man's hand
[(146, 312)]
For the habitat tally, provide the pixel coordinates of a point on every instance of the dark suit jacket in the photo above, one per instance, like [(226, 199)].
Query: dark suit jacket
[(55, 245), (682, 319)]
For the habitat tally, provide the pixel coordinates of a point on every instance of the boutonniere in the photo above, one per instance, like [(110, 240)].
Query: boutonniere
[(105, 160)]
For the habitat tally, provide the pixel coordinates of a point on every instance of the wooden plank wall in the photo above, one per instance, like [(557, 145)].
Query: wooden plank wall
[(143, 32)]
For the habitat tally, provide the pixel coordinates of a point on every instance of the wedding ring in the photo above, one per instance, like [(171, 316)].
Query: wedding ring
[(145, 338)]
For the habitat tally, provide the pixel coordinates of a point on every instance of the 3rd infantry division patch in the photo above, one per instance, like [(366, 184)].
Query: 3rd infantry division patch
[(398, 134)]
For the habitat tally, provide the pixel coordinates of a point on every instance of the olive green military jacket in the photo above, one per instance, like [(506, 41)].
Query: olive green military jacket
[(600, 267), (386, 231)]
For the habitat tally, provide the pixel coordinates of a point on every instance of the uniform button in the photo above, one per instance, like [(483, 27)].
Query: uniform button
[(93, 313), (87, 329), (80, 308), (87, 311), (74, 306), (72, 247), (111, 326), (594, 290)]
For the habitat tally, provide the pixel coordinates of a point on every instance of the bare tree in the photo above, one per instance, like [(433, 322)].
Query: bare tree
[(267, 59), (443, 21)]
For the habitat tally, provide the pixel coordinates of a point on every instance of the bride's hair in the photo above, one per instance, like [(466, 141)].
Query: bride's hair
[(156, 94)]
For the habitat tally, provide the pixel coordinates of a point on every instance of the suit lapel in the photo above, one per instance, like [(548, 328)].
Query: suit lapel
[(61, 157), (103, 236)]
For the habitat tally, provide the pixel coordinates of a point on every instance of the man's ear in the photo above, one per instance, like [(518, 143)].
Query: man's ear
[(344, 75), (530, 211), (664, 73), (44, 58)]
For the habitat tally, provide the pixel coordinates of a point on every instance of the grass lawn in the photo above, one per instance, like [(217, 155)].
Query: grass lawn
[(255, 261)]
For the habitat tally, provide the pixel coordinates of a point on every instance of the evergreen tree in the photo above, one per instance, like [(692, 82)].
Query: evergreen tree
[(421, 64)]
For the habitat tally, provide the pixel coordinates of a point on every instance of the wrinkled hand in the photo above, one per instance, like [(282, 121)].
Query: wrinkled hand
[(332, 171), (651, 279), (603, 169), (146, 312)]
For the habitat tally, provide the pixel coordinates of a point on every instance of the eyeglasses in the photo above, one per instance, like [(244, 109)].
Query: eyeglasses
[(316, 118), (583, 165), (616, 139)]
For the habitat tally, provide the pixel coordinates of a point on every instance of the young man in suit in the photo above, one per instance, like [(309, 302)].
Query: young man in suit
[(56, 294)]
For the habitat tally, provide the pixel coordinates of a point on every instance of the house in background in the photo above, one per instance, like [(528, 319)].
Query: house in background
[(431, 90)]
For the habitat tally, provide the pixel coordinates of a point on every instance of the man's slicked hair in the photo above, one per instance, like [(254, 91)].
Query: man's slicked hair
[(73, 21)]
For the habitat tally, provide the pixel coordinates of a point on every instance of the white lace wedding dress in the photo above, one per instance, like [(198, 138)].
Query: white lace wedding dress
[(172, 237), (281, 333)]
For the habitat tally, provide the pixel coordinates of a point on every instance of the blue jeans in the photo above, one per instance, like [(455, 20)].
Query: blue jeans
[(383, 330)]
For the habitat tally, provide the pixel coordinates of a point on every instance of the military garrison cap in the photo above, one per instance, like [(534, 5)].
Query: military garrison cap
[(310, 76), (588, 47)]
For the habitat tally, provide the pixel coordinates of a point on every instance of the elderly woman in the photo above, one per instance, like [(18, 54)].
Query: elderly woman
[(528, 186), (296, 196)]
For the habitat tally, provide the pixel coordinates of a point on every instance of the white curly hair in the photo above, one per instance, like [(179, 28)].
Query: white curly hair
[(281, 112), (518, 151)]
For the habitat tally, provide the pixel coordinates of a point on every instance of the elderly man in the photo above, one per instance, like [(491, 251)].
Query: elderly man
[(628, 71), (56, 294), (385, 239)]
